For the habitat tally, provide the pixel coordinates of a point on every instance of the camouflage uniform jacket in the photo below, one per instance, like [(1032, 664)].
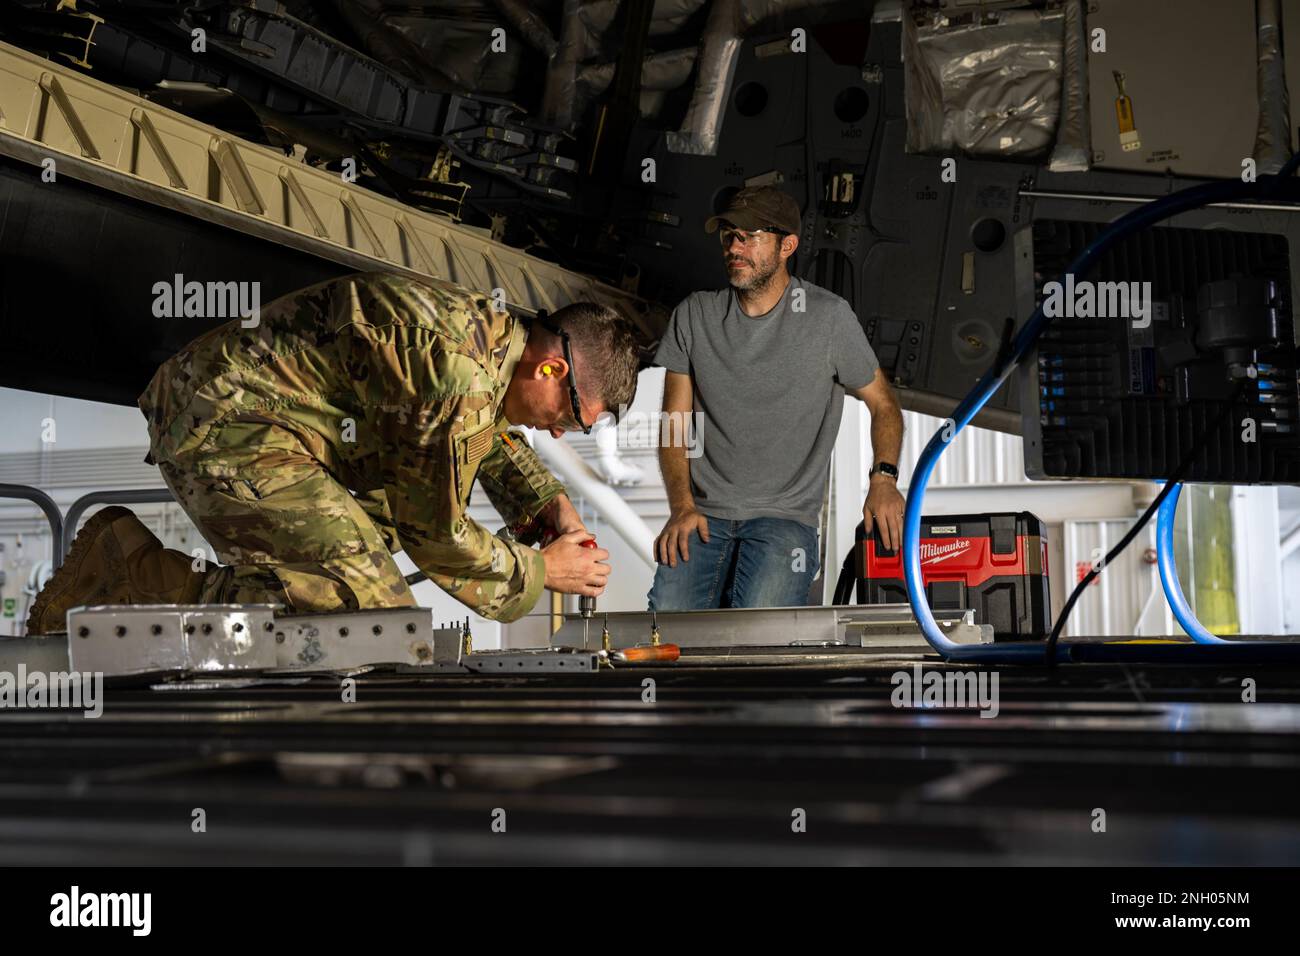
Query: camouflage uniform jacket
[(395, 386)]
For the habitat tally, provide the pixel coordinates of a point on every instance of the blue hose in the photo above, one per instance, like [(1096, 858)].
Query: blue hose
[(1169, 572), (1160, 209)]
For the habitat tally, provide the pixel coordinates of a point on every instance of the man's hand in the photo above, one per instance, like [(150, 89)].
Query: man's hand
[(573, 569), (676, 536), (560, 514), (885, 505)]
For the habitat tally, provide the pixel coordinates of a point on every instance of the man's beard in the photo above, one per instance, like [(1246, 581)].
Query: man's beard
[(761, 274)]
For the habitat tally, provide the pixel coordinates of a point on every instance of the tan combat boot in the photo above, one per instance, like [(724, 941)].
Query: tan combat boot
[(115, 559)]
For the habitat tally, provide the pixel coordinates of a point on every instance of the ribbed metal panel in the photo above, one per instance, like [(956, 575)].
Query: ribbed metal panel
[(978, 456), (1112, 604), (80, 468)]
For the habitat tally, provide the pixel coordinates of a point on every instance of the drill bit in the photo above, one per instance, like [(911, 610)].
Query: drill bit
[(654, 629)]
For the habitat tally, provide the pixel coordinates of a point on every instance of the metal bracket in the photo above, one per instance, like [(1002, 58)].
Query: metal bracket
[(523, 663), (342, 640), (117, 640), (511, 663)]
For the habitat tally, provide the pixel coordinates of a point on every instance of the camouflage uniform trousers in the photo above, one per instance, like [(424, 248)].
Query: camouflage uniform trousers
[(285, 529)]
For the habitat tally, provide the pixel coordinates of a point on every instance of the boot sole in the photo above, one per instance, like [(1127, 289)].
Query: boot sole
[(66, 578)]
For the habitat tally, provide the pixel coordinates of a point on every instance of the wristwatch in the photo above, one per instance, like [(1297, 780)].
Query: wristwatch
[(885, 468)]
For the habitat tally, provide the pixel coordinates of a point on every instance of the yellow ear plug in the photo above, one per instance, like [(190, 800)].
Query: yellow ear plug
[(547, 369)]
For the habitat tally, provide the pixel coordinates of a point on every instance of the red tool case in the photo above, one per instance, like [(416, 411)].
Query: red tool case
[(993, 563)]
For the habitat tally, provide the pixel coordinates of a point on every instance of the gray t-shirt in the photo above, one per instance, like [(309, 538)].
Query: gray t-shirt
[(769, 391)]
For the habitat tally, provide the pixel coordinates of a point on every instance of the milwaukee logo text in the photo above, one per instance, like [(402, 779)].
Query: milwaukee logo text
[(934, 553)]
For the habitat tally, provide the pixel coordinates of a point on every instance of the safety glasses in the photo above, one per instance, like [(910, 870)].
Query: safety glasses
[(542, 320), (748, 239)]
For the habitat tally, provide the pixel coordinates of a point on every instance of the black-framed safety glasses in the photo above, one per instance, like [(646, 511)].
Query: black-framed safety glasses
[(728, 233), (542, 319)]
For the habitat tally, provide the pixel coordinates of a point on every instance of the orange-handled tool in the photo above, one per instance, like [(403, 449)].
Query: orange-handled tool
[(659, 654)]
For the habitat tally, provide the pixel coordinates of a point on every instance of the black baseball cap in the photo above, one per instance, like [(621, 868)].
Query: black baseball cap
[(755, 207)]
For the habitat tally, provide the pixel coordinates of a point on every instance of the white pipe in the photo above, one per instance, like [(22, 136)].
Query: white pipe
[(581, 479), (1290, 543), (613, 468)]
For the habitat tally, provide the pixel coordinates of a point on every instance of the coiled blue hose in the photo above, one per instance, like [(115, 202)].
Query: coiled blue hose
[(1156, 211), (1169, 572)]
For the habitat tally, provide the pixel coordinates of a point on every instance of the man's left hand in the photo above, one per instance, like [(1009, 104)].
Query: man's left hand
[(885, 506), (560, 514)]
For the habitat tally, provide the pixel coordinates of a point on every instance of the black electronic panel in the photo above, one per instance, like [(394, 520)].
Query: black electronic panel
[(1147, 349)]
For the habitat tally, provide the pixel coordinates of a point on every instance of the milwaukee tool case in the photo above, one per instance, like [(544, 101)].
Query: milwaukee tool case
[(995, 564)]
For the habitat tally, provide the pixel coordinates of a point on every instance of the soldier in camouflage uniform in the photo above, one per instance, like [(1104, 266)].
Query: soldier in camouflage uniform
[(348, 423)]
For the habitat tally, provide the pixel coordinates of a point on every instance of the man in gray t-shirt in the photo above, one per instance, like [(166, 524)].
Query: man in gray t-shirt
[(760, 369)]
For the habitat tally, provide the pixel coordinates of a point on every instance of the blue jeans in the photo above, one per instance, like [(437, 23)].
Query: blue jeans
[(761, 562)]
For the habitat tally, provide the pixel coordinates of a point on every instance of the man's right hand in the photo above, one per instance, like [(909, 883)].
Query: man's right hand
[(675, 539), (573, 569)]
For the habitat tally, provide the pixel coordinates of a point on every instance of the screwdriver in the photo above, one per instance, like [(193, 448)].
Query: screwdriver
[(655, 654), (587, 605)]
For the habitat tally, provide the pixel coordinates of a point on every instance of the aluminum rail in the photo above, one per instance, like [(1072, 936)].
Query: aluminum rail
[(808, 629), (1142, 200)]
